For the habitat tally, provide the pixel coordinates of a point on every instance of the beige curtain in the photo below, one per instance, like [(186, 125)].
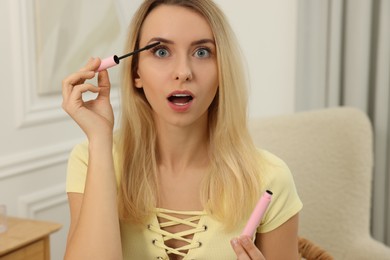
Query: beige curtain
[(344, 60)]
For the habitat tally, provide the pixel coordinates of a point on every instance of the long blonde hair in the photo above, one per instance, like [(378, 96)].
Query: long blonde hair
[(234, 171)]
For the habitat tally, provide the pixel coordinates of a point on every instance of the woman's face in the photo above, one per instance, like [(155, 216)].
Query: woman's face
[(179, 77)]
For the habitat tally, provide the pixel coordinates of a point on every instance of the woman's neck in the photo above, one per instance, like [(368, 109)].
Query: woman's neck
[(181, 148)]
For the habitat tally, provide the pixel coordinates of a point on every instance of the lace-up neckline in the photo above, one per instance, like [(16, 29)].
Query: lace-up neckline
[(187, 237)]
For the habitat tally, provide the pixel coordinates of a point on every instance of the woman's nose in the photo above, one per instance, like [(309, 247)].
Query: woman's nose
[(184, 76), (183, 71)]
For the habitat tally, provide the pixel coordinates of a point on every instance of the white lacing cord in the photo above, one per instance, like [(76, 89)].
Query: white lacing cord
[(191, 221)]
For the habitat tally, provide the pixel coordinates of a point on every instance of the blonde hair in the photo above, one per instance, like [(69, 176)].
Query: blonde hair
[(234, 171)]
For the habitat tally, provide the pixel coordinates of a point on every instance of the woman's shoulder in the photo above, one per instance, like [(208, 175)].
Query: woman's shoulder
[(274, 170), (277, 177), (271, 161)]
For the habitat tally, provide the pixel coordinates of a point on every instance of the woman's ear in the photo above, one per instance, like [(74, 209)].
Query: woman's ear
[(138, 82)]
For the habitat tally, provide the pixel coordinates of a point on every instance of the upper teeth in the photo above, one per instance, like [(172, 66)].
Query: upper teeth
[(180, 95)]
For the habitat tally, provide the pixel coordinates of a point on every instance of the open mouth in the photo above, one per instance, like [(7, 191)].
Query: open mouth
[(180, 99)]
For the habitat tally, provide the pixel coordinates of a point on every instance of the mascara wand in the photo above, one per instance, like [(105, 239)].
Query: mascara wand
[(114, 60)]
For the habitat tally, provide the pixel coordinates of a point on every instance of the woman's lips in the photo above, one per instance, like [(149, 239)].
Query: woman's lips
[(180, 101)]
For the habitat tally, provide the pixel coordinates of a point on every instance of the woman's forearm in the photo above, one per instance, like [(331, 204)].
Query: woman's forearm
[(97, 234)]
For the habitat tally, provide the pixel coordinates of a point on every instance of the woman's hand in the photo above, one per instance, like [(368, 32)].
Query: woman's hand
[(95, 117), (245, 249)]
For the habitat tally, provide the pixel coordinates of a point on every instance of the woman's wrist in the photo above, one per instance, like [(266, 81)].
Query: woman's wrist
[(100, 142)]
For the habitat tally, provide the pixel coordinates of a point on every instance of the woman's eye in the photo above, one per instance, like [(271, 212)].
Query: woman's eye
[(202, 53), (161, 52)]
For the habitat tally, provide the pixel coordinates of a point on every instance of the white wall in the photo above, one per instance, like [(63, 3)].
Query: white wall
[(36, 136), (267, 34)]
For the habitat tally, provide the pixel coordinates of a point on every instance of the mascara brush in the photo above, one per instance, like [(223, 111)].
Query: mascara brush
[(114, 60)]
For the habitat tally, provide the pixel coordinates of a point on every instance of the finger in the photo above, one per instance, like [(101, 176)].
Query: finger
[(92, 65), (239, 250), (75, 98), (104, 84), (250, 248), (78, 90), (77, 78)]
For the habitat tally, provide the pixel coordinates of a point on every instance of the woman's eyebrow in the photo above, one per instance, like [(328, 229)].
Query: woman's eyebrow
[(203, 41), (159, 39), (163, 40)]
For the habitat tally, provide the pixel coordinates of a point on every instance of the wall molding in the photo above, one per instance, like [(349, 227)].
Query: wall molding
[(30, 205), (31, 108), (22, 163)]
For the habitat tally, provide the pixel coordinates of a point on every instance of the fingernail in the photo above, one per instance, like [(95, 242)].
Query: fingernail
[(234, 242), (245, 240)]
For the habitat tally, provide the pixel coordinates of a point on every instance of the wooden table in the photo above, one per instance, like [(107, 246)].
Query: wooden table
[(26, 239)]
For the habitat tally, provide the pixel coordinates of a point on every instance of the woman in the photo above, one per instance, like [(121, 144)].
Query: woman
[(181, 176)]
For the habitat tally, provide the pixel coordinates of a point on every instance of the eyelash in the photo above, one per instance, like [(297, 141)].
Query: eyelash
[(158, 47), (210, 53), (163, 47)]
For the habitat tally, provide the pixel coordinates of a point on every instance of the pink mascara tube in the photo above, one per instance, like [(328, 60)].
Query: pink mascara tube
[(114, 60), (257, 214)]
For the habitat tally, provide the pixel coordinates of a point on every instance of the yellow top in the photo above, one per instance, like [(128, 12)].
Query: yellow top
[(208, 240)]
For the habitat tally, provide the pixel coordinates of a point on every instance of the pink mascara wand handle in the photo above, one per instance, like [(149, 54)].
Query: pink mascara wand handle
[(114, 60), (108, 63), (257, 214)]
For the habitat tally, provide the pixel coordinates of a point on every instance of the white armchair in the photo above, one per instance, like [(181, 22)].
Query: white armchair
[(330, 153)]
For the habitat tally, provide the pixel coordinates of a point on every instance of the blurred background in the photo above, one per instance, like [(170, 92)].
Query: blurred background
[(300, 55)]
